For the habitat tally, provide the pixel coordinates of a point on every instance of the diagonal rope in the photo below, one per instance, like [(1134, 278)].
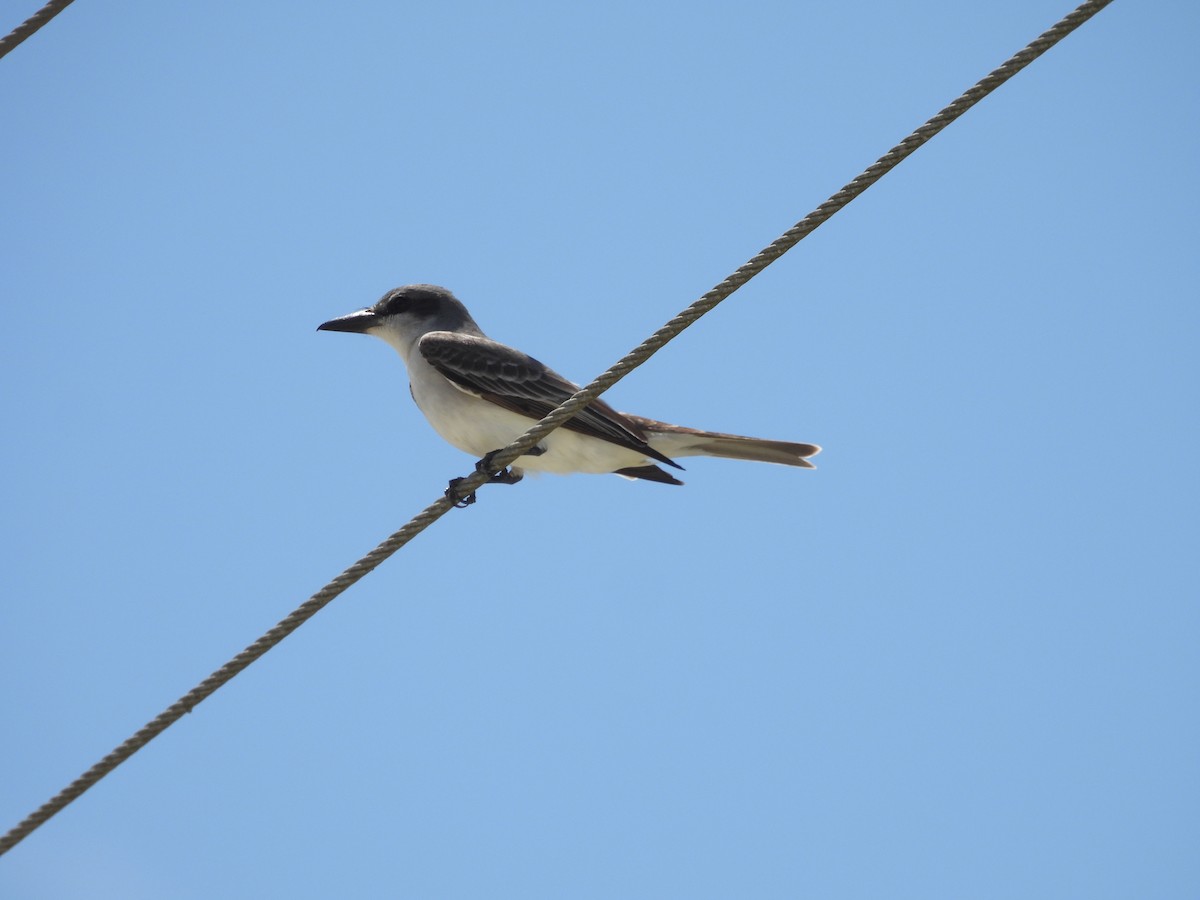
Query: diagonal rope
[(30, 25), (787, 240), (635, 358)]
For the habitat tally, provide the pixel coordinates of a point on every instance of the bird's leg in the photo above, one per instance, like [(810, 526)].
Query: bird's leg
[(460, 501), (504, 476)]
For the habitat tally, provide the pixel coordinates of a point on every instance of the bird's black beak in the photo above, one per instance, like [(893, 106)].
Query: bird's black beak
[(357, 322)]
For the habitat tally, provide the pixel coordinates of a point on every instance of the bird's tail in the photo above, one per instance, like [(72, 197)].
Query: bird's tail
[(675, 440)]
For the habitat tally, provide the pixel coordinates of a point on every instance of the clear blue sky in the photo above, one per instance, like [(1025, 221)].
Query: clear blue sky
[(957, 660)]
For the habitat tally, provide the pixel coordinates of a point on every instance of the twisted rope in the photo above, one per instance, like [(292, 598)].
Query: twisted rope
[(30, 25), (787, 240), (580, 399)]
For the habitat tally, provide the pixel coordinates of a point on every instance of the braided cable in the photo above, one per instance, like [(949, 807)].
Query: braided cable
[(569, 408), (786, 241), (26, 29)]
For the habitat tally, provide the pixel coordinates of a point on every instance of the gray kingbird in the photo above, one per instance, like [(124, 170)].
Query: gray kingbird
[(479, 395)]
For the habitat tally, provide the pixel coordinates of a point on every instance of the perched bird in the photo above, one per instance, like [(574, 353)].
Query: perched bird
[(480, 394)]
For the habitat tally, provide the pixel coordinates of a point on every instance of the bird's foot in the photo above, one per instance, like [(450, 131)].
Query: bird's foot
[(504, 476), (461, 501)]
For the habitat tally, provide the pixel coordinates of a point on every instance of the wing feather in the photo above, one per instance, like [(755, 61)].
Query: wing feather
[(519, 383)]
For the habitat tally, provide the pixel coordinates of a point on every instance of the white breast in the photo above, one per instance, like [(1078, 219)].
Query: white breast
[(477, 426)]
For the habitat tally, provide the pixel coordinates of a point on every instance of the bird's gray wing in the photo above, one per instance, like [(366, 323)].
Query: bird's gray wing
[(519, 383)]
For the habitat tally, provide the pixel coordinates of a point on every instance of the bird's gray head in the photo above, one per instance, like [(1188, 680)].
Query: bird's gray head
[(404, 314)]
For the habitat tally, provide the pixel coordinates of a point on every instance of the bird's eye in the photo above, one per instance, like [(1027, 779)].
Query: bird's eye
[(395, 305)]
